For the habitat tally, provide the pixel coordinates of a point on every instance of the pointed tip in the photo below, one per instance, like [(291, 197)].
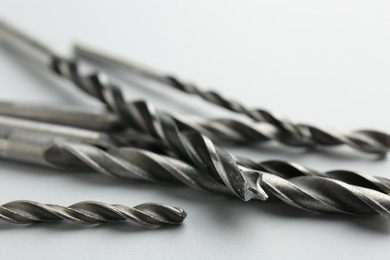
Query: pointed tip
[(254, 189)]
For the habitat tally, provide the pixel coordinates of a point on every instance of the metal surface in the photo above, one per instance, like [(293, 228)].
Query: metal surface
[(131, 163), (289, 133), (91, 213), (311, 193)]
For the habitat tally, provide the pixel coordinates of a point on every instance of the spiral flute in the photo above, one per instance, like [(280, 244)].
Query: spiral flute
[(288, 133), (311, 193), (318, 194), (91, 213)]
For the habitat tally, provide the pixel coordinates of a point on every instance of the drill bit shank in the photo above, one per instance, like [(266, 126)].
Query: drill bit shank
[(83, 117)]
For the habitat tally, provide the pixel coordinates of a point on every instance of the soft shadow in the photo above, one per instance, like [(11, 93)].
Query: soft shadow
[(66, 226), (274, 150)]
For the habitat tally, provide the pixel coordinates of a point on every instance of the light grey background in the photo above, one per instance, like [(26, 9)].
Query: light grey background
[(324, 62)]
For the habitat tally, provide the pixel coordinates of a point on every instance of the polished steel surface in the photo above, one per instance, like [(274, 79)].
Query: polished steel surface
[(91, 213), (288, 132)]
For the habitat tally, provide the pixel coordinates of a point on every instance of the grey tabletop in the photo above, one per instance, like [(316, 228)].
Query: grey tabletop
[(323, 63)]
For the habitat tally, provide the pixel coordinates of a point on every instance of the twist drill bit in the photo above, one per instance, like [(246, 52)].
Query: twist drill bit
[(289, 133), (310, 193), (29, 135), (130, 163), (91, 213), (183, 141)]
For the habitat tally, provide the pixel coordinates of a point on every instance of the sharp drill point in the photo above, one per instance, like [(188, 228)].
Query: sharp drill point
[(91, 213)]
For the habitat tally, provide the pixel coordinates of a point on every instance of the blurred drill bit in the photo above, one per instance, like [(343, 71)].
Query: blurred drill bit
[(91, 213), (288, 133)]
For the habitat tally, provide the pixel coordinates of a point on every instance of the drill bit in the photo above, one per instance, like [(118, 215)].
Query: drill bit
[(289, 133), (184, 141), (310, 193), (125, 162), (91, 213), (27, 134)]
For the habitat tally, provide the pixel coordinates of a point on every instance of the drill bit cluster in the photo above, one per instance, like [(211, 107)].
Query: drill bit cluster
[(137, 141)]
